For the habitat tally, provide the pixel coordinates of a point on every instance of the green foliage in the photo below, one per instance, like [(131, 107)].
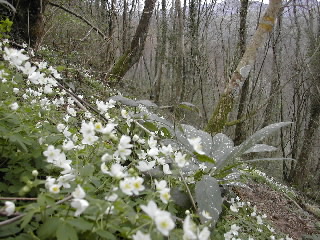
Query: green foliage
[(105, 170), (5, 27)]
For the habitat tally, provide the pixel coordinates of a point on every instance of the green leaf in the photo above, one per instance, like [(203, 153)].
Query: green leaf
[(27, 218), (106, 235), (87, 170), (66, 232), (80, 224), (204, 158), (150, 126), (208, 197), (49, 228)]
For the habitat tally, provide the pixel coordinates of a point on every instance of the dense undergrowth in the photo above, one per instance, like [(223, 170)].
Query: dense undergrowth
[(86, 163)]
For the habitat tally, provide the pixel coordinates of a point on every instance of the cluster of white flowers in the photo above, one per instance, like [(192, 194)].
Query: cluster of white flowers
[(235, 205), (163, 190), (162, 219), (192, 232), (78, 202)]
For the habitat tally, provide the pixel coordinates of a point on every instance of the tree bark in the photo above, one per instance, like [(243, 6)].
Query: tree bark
[(220, 114), (239, 131), (132, 56), (28, 24)]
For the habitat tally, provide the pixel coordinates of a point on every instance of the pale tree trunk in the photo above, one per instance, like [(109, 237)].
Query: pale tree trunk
[(221, 112), (132, 56)]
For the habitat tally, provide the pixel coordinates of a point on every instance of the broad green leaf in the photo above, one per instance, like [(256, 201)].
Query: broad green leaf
[(260, 148), (27, 218), (49, 228), (80, 224), (251, 141), (147, 103), (87, 170), (66, 232), (150, 126), (124, 100), (208, 197), (106, 235), (204, 158)]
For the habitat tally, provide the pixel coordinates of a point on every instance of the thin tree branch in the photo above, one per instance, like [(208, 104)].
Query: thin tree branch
[(80, 17), (14, 219)]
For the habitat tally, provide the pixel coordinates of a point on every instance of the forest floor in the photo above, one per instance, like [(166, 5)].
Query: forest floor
[(285, 213)]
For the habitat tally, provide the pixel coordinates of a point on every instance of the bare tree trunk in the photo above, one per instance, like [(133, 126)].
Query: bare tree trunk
[(240, 131), (220, 114), (132, 56), (28, 24), (162, 52)]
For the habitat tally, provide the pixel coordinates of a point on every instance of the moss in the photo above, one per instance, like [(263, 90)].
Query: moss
[(220, 115)]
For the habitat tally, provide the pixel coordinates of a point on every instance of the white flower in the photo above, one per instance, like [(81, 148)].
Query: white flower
[(180, 159), (196, 144), (152, 142), (54, 188), (89, 139), (71, 111), (165, 195), (49, 181), (78, 193), (162, 219), (9, 208), (234, 229), (51, 153), (124, 147), (164, 222), (14, 56), (141, 236), (109, 129), (160, 185), (166, 169), (106, 157), (80, 205), (189, 229), (204, 234), (166, 150), (126, 186), (27, 68), (145, 165), (15, 90), (125, 114), (234, 207), (65, 179), (259, 220), (117, 170), (87, 129), (68, 145), (113, 197), (98, 126), (14, 106), (151, 209), (61, 127), (137, 185), (206, 215), (152, 152)]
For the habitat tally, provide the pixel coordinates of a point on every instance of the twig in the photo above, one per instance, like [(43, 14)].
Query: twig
[(14, 219), (17, 198), (188, 190)]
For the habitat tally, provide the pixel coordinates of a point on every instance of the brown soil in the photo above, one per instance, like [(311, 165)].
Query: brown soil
[(287, 217)]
